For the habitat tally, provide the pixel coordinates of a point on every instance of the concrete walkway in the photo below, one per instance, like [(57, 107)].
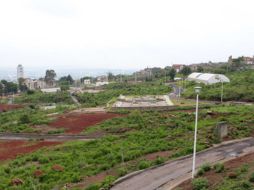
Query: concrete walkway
[(169, 175)]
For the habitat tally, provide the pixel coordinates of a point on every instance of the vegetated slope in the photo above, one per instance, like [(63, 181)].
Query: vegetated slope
[(235, 174), (123, 149), (115, 89), (37, 97), (239, 89)]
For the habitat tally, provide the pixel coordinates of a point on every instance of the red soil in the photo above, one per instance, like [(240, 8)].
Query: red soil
[(11, 149), (75, 123), (7, 107)]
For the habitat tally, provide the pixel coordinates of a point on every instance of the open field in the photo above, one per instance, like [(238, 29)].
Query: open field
[(74, 123), (8, 107), (11, 149)]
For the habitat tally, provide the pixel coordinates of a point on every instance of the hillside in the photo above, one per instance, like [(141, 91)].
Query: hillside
[(239, 89)]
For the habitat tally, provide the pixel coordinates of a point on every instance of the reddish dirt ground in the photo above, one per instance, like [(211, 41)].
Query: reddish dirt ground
[(75, 123), (7, 107), (11, 149), (215, 178)]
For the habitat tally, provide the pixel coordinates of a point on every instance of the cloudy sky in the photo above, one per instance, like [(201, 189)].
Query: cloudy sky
[(123, 34)]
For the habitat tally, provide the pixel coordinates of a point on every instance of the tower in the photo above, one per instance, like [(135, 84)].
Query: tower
[(20, 72)]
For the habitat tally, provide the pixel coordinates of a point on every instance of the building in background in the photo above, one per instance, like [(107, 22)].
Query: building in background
[(34, 84), (20, 72), (177, 67)]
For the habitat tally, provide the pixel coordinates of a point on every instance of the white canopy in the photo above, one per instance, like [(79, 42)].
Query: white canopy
[(207, 78)]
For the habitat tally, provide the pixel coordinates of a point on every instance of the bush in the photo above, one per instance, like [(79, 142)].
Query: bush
[(108, 181), (159, 160), (251, 179), (206, 167), (93, 187), (200, 172), (200, 183), (143, 164), (24, 119), (219, 168), (122, 171)]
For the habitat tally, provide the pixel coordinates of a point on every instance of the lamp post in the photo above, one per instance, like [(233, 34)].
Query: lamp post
[(197, 91)]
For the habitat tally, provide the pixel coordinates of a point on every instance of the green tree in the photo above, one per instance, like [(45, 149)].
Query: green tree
[(186, 71), (172, 73), (200, 69), (50, 77)]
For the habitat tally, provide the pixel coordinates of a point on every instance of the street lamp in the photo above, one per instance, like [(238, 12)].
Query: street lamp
[(197, 91)]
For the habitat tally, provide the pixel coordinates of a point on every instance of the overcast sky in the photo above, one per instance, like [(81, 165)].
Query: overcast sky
[(123, 34)]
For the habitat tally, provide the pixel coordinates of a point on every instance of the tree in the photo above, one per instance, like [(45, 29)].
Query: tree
[(185, 71), (50, 77), (110, 76), (22, 86), (66, 80), (200, 69), (172, 73)]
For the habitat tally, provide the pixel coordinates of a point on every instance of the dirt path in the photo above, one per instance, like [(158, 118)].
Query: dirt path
[(169, 175), (45, 137)]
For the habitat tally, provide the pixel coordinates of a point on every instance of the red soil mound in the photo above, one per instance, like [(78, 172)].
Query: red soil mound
[(7, 107), (76, 123), (11, 149)]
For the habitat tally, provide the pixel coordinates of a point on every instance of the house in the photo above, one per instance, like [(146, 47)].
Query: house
[(177, 67), (33, 84), (87, 82), (207, 78), (243, 59)]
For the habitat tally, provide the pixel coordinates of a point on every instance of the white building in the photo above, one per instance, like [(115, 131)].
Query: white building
[(20, 72), (33, 84), (87, 82), (207, 78)]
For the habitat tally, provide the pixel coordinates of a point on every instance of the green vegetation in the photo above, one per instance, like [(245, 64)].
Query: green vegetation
[(22, 120), (115, 89), (200, 184), (240, 88), (33, 97), (124, 148)]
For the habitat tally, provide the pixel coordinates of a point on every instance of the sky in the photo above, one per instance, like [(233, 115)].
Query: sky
[(123, 34)]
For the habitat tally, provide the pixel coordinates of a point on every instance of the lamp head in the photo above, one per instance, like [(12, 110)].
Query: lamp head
[(197, 89)]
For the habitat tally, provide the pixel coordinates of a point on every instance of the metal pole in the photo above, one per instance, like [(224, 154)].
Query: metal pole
[(222, 91), (195, 140)]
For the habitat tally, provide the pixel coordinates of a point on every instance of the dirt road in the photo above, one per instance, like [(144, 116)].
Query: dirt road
[(45, 137), (165, 177)]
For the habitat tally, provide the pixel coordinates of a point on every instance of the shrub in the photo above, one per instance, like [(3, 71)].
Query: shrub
[(93, 187), (122, 171), (24, 119), (159, 160), (200, 172), (108, 181), (200, 183), (143, 164), (206, 167), (219, 168), (251, 179)]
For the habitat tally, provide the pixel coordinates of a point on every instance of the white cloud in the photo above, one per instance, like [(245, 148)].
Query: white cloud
[(123, 34)]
